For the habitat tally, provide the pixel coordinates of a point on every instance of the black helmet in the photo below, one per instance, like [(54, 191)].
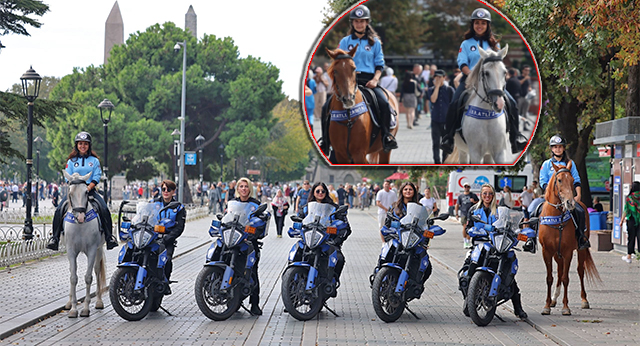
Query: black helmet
[(360, 12), (557, 140), (482, 14), (83, 137)]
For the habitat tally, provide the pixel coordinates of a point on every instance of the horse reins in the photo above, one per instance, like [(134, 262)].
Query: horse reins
[(350, 121), (355, 88), (559, 207), (497, 92), (78, 209)]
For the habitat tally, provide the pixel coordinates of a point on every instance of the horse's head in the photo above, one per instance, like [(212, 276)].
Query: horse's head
[(78, 194), (343, 73), (560, 188), (489, 77)]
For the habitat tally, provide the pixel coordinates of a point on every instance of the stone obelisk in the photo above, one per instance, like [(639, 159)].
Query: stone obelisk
[(113, 31), (191, 22)]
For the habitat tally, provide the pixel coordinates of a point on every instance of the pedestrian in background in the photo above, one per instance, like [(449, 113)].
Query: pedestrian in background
[(632, 214), (465, 201), (439, 96), (389, 81), (409, 97), (320, 97), (384, 200), (280, 209)]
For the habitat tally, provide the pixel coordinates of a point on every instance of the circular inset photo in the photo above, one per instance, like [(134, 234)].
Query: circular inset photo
[(436, 82)]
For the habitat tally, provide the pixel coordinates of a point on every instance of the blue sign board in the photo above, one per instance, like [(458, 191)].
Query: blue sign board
[(190, 159), (506, 181)]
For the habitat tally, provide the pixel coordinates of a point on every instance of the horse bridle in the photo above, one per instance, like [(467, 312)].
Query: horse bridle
[(555, 184), (343, 99), (491, 92), (78, 209)]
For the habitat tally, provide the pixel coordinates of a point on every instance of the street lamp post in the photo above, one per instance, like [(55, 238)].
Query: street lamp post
[(106, 104), (182, 44), (30, 89), (38, 141), (200, 141), (221, 147), (176, 153)]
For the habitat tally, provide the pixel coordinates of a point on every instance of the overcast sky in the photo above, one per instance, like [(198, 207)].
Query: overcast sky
[(72, 35)]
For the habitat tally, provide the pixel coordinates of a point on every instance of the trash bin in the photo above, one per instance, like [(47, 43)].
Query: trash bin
[(598, 220)]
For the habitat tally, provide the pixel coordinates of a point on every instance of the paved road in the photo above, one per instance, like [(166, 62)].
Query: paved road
[(441, 320)]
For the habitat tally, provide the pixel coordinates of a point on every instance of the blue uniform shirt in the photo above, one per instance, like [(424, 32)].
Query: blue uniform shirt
[(469, 54), (84, 166), (546, 172), (367, 59), (490, 219)]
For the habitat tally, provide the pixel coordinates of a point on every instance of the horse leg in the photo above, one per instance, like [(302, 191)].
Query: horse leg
[(583, 294), (547, 257), (556, 293), (360, 158), (384, 157), (101, 273), (88, 279), (567, 255), (73, 266)]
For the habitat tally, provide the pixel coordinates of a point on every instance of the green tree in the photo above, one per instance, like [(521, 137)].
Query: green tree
[(15, 14)]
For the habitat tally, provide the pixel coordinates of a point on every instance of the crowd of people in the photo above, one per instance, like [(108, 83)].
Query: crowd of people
[(14, 192)]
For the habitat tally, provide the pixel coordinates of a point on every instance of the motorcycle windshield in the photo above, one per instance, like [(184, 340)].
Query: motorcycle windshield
[(146, 213), (238, 211), (318, 212), (415, 212), (508, 219)]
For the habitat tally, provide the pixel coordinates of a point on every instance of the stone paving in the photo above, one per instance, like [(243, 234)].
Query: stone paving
[(611, 320)]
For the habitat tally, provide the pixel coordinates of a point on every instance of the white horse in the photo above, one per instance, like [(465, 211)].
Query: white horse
[(484, 125), (82, 234)]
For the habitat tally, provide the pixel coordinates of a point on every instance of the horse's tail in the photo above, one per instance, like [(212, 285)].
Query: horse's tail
[(101, 266), (453, 158), (590, 269)]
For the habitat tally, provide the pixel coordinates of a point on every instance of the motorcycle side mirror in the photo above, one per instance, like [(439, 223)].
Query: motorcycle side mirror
[(532, 220), (260, 209), (476, 218), (219, 216), (341, 210), (296, 218), (442, 217), (126, 219)]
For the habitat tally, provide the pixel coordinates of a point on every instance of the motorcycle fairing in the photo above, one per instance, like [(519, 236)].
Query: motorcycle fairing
[(424, 263), (162, 259), (217, 244), (299, 246), (251, 260)]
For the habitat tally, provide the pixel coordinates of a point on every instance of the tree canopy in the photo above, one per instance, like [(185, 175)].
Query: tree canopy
[(15, 14)]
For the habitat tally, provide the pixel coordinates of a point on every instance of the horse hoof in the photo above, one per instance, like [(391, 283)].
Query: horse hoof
[(73, 314), (566, 312), (99, 305), (67, 306), (553, 303), (84, 313), (585, 305), (546, 311)]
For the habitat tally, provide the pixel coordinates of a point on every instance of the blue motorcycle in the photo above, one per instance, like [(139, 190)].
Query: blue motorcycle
[(310, 278), (404, 263), (487, 280), (227, 276), (139, 284)]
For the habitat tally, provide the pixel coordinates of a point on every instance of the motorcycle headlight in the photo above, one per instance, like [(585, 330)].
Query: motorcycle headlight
[(142, 237), (231, 237), (312, 238), (409, 239), (502, 243)]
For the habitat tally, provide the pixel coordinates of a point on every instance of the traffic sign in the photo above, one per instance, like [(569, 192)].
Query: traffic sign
[(190, 158), (253, 172)]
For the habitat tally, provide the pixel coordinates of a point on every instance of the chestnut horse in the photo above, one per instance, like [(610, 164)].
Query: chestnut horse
[(350, 138), (558, 239)]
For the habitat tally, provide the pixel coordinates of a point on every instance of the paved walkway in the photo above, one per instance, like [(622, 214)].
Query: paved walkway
[(33, 289)]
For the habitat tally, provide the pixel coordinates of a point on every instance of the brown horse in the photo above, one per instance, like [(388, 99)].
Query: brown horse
[(350, 138), (558, 240)]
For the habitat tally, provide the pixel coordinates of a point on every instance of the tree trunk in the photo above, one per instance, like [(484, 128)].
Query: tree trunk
[(633, 93)]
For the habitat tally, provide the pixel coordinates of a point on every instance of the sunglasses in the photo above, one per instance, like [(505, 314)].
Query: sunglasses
[(487, 193), (321, 191), (166, 189)]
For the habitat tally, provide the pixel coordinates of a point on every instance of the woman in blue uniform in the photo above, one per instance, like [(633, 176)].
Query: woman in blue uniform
[(479, 35), (243, 194), (559, 157), (487, 210), (176, 213), (83, 160), (369, 61)]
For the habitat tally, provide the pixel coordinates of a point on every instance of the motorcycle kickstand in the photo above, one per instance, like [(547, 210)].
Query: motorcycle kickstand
[(329, 309), (165, 310), (245, 309), (498, 317), (406, 306)]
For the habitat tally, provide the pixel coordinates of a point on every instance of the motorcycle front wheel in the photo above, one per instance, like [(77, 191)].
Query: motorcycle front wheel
[(388, 305), (214, 303), (300, 304), (130, 304), (481, 307)]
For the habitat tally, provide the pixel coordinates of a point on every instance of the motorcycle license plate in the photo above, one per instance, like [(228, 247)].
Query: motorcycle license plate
[(250, 230), (428, 234)]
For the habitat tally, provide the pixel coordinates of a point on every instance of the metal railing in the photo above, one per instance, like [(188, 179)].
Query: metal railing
[(14, 250)]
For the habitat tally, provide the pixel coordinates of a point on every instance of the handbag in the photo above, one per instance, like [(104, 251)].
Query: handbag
[(415, 89)]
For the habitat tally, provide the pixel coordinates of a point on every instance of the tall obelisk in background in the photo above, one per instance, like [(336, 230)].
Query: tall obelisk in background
[(191, 21), (113, 31)]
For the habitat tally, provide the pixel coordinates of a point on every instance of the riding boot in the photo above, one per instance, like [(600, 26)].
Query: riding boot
[(325, 118), (105, 220), (388, 140), (518, 140), (517, 306), (583, 241), (57, 225)]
